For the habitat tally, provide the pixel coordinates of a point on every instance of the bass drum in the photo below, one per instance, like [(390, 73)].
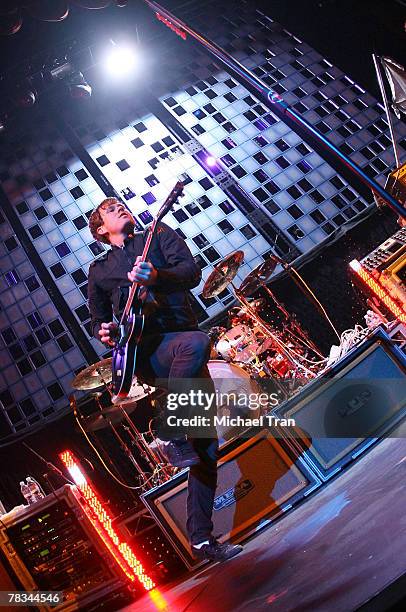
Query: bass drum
[(235, 393)]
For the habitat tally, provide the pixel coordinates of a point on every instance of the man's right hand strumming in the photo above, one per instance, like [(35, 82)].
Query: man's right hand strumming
[(108, 333)]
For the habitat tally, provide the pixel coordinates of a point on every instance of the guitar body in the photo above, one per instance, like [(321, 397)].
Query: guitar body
[(125, 355), (132, 323)]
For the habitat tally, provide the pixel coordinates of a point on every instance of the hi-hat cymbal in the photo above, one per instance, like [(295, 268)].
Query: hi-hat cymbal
[(94, 376), (223, 274), (261, 274), (102, 419)]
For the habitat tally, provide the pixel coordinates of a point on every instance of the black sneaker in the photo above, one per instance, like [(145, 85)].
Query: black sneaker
[(215, 551), (179, 453)]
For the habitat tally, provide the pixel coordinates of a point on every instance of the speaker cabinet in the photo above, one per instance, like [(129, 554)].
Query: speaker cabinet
[(258, 479), (343, 412)]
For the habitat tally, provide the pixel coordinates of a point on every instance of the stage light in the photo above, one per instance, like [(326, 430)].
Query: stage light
[(3, 121), (78, 86), (120, 60), (77, 475), (355, 265), (25, 95), (101, 520), (211, 161)]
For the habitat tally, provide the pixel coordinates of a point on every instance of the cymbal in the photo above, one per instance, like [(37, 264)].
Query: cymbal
[(102, 419), (260, 274), (223, 274), (94, 376)]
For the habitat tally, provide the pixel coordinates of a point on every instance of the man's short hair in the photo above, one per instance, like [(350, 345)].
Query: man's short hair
[(96, 221)]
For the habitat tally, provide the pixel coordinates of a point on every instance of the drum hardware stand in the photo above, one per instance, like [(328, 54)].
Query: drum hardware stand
[(138, 441), (145, 451), (105, 384), (127, 451), (301, 284), (142, 478), (51, 468), (161, 472), (123, 445), (99, 375), (269, 332), (223, 275), (160, 458), (291, 322)]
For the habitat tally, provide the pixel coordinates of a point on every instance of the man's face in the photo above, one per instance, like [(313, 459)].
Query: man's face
[(115, 217)]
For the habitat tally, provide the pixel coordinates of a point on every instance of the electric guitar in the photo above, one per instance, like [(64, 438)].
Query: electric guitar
[(132, 321)]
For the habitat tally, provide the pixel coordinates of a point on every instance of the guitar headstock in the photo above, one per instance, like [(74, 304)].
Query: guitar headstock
[(172, 198)]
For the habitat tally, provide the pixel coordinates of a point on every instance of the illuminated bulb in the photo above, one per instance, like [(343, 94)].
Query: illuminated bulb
[(355, 265), (121, 61)]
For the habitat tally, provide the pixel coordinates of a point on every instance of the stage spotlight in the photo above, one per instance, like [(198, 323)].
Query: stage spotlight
[(211, 161), (25, 95), (120, 60), (78, 86), (3, 122)]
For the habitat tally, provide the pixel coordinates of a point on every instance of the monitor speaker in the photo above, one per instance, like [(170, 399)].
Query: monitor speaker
[(258, 479), (350, 407)]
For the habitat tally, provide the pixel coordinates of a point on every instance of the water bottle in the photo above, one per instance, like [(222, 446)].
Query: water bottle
[(35, 489), (26, 493)]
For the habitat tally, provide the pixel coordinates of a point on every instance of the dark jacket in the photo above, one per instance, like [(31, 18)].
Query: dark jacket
[(167, 306)]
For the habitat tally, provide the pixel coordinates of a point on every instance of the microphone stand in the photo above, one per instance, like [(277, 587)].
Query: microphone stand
[(50, 467)]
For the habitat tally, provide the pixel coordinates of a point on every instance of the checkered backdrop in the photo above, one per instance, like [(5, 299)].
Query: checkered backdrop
[(52, 191)]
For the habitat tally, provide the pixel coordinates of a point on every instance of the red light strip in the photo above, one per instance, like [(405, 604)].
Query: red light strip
[(380, 291), (101, 521), (171, 26)]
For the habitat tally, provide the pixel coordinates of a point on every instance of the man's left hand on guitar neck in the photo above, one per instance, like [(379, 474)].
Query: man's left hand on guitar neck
[(143, 273)]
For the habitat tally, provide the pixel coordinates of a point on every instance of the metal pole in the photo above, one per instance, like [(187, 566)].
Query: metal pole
[(386, 104), (271, 99)]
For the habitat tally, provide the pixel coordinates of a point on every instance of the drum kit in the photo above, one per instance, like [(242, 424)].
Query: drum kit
[(251, 343), (248, 353)]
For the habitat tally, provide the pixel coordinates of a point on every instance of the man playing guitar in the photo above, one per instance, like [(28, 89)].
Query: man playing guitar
[(172, 347)]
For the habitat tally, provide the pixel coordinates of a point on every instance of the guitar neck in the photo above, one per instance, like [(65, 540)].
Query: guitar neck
[(166, 206), (134, 287)]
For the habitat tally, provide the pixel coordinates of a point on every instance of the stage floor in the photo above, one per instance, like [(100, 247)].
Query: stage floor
[(334, 552)]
